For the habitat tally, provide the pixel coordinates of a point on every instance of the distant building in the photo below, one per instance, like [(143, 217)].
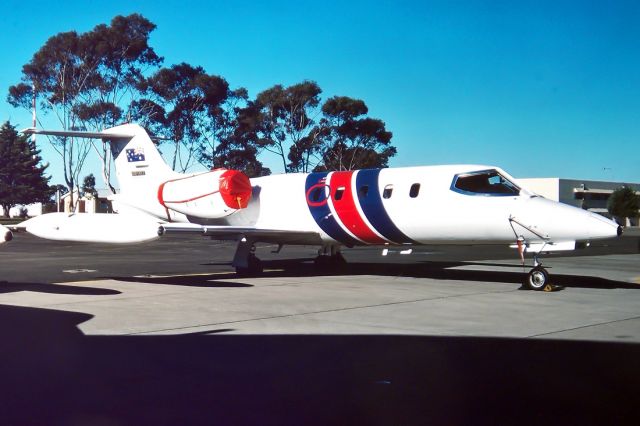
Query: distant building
[(87, 203), (590, 195)]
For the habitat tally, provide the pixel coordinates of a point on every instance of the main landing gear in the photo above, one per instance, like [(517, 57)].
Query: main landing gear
[(247, 263), (245, 260), (330, 257)]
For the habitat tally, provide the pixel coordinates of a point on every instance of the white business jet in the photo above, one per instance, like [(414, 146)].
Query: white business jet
[(454, 204)]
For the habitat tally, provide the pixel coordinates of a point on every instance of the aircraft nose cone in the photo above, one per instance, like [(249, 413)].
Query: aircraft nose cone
[(601, 227), (560, 222)]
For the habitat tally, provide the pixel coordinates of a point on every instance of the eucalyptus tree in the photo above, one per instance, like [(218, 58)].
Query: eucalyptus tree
[(87, 81), (198, 112), (350, 139), (289, 122), (281, 118)]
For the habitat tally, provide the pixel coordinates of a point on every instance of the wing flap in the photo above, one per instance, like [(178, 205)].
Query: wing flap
[(224, 232)]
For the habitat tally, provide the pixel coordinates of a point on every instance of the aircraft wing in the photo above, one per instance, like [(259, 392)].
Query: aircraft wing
[(226, 232)]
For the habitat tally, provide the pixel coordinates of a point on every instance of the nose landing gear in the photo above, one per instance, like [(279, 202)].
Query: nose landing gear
[(537, 278)]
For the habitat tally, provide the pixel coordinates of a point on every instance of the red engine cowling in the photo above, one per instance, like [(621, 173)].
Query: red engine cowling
[(210, 195)]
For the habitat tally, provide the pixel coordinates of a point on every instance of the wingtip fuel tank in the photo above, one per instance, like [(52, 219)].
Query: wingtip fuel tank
[(97, 228), (5, 235)]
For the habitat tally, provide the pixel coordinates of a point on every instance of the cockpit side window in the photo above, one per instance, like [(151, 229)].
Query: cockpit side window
[(486, 182)]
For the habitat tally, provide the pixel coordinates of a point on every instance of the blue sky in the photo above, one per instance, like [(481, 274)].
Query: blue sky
[(539, 88)]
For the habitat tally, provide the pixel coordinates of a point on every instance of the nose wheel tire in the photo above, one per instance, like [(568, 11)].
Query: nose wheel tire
[(537, 278)]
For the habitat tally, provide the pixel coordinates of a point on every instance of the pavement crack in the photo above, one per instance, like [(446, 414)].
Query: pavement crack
[(583, 327), (301, 314)]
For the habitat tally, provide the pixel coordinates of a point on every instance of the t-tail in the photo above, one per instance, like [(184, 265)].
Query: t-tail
[(148, 185), (138, 163)]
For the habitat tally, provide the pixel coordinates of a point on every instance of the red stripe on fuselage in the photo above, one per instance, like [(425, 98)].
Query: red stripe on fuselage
[(347, 211)]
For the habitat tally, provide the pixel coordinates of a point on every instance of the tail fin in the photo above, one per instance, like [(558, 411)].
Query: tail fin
[(139, 165)]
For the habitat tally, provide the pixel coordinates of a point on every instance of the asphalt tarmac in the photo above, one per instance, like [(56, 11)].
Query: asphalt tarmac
[(165, 333)]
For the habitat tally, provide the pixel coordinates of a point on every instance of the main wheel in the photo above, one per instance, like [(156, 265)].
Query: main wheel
[(335, 261), (254, 268), (537, 278)]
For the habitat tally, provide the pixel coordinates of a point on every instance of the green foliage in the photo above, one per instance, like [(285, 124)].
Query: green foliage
[(87, 80), (95, 79), (191, 107), (278, 118), (55, 188), (287, 121), (89, 185), (22, 179), (353, 141), (624, 202), (85, 76)]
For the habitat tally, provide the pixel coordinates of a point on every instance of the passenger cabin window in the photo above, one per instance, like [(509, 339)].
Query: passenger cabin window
[(415, 190), (338, 194), (487, 182), (388, 190), (362, 192)]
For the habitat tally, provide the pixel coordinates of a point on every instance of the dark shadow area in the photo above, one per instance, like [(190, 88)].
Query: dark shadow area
[(433, 270), (228, 263), (208, 332), (274, 263), (11, 287), (30, 259), (210, 281), (53, 375), (37, 327)]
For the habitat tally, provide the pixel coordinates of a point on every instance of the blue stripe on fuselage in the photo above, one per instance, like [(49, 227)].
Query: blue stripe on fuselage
[(374, 209), (322, 214)]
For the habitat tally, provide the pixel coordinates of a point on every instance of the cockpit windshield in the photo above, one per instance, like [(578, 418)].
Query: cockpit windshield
[(485, 182)]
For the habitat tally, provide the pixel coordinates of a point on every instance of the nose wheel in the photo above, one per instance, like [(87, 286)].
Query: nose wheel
[(537, 278)]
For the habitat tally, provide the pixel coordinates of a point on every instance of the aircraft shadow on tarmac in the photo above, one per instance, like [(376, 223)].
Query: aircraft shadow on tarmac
[(12, 287), (211, 281), (52, 374), (433, 270)]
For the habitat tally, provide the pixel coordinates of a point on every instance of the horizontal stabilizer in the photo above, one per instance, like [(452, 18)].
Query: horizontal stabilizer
[(77, 134), (92, 227)]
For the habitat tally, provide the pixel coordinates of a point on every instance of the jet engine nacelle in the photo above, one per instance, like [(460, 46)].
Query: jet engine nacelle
[(210, 195), (5, 235), (93, 227)]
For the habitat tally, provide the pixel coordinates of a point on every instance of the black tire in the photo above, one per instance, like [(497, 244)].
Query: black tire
[(334, 262), (537, 279), (255, 268)]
